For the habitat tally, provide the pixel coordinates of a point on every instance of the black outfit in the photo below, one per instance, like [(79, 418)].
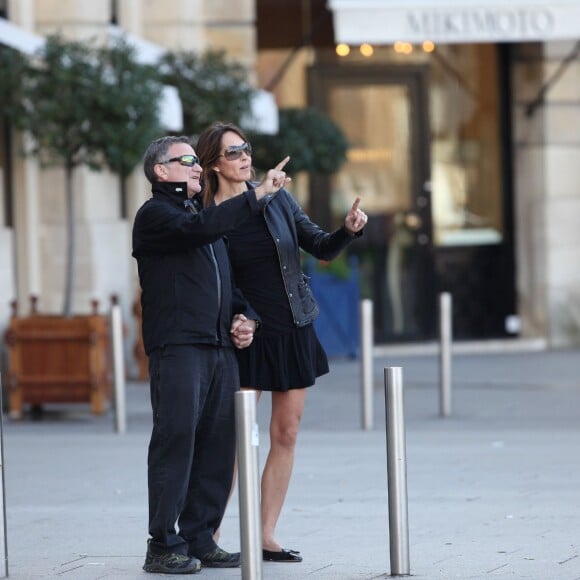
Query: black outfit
[(264, 252), (188, 302)]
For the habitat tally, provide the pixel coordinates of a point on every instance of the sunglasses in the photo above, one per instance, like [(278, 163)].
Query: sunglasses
[(187, 160), (236, 151)]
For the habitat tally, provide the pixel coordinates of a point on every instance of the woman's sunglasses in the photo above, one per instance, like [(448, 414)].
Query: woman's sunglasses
[(236, 151)]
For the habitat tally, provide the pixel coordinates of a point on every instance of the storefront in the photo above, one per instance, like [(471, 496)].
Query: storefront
[(457, 130), (462, 117)]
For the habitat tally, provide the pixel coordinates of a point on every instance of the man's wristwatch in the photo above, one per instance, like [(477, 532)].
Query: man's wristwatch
[(258, 324)]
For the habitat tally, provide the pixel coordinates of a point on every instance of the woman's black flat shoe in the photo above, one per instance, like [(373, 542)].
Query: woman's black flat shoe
[(282, 556)]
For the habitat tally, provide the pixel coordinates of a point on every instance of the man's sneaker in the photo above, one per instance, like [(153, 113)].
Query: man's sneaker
[(171, 564), (219, 558)]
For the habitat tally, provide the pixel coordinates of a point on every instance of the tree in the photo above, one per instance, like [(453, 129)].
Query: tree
[(13, 67), (126, 111), (57, 95), (84, 106), (211, 88), (313, 141)]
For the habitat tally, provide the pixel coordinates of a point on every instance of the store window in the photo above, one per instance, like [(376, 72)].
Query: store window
[(466, 150), (376, 121)]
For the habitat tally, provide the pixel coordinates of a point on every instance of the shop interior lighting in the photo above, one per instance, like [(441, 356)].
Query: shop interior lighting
[(366, 49)]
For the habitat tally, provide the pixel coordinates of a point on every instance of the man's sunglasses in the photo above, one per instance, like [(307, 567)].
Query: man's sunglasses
[(187, 160), (236, 151)]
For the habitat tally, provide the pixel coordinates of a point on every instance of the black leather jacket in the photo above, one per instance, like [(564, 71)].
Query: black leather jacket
[(291, 229), (187, 292)]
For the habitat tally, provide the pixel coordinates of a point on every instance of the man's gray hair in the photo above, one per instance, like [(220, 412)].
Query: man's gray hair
[(157, 152)]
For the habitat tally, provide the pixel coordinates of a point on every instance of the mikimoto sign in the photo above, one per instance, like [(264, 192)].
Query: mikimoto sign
[(454, 21)]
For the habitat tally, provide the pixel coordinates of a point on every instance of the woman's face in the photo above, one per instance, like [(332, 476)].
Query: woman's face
[(235, 161)]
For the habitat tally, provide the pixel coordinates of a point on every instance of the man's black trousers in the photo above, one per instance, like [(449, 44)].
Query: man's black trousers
[(192, 447)]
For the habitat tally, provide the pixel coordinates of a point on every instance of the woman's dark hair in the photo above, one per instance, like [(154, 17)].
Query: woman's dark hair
[(208, 149)]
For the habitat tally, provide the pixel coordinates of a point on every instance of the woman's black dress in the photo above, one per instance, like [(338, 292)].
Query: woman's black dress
[(281, 356)]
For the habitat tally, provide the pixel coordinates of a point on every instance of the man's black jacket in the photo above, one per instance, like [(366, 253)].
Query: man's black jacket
[(187, 292)]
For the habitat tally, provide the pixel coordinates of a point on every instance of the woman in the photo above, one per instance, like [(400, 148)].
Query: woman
[(285, 356)]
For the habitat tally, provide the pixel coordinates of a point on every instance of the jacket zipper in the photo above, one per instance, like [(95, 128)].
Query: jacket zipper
[(219, 291), (191, 208)]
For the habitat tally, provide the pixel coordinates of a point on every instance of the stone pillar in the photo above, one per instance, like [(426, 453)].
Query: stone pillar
[(73, 19), (27, 226), (6, 264), (22, 12), (130, 16), (198, 25), (547, 165)]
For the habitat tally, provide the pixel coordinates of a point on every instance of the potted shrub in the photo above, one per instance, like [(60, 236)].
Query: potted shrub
[(313, 141)]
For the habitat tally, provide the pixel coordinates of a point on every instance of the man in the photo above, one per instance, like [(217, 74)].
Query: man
[(189, 327)]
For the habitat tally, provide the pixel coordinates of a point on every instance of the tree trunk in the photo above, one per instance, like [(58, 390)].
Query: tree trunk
[(70, 234), (123, 193)]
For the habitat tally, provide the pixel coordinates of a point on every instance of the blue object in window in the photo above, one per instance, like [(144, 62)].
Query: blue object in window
[(337, 325)]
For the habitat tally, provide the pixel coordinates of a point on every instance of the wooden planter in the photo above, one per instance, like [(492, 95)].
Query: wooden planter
[(52, 359)]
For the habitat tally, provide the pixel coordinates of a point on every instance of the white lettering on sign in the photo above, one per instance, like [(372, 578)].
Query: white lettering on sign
[(498, 23)]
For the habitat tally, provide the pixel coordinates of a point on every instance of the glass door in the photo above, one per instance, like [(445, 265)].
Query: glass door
[(383, 113), (472, 195)]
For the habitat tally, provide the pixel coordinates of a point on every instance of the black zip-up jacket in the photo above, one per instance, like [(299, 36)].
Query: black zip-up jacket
[(291, 229), (187, 292)]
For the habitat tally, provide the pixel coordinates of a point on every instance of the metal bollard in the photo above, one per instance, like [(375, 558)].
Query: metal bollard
[(249, 485), (118, 368), (397, 472), (446, 337), (3, 527), (366, 357)]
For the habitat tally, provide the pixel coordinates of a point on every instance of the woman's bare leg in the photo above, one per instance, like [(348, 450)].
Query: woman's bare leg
[(287, 408)]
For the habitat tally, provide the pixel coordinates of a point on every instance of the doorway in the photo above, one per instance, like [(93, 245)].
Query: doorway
[(383, 111), (430, 156)]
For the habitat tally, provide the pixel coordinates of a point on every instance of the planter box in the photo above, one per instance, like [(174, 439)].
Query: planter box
[(52, 359)]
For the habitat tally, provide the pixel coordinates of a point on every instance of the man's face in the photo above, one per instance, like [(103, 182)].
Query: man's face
[(176, 171)]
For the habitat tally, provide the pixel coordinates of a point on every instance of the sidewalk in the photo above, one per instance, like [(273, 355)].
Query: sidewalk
[(494, 490)]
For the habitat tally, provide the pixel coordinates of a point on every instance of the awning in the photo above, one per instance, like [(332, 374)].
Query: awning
[(15, 37), (263, 116), (453, 21), (170, 112), (170, 109)]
